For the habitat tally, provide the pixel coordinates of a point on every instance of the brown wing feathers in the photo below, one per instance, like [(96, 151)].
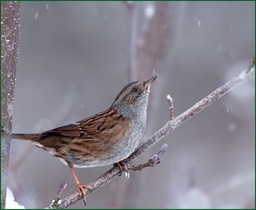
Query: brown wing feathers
[(91, 128)]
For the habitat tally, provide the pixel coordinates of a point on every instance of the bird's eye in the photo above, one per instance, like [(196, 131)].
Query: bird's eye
[(135, 90)]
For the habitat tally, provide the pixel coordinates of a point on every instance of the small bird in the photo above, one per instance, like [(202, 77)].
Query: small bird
[(105, 138)]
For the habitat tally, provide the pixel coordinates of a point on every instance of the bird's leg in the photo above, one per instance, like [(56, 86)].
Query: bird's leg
[(80, 187)]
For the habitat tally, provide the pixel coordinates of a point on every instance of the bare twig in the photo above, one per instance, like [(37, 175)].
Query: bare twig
[(114, 172), (171, 106), (10, 25), (154, 160), (57, 200)]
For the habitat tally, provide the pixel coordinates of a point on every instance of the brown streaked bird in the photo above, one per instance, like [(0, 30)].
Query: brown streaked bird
[(105, 138)]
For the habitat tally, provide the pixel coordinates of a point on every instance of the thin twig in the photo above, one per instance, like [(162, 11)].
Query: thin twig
[(154, 160), (171, 106), (114, 172), (57, 200)]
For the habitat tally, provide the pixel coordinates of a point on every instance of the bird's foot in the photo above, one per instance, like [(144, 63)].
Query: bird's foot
[(80, 188), (122, 165)]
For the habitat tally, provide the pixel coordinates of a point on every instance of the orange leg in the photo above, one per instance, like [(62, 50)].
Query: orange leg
[(80, 187)]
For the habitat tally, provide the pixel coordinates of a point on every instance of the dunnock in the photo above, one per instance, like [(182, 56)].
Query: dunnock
[(102, 139)]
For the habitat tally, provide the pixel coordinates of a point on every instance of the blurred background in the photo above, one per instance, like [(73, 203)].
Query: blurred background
[(74, 59)]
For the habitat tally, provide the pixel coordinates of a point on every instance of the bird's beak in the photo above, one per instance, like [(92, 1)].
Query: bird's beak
[(149, 82)]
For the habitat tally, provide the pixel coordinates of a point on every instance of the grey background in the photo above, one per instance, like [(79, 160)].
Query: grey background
[(72, 63)]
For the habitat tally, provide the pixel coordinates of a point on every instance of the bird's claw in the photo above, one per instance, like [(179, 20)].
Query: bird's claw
[(80, 188), (123, 167)]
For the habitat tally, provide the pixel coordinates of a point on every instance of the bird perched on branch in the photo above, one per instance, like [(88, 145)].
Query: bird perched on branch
[(105, 138)]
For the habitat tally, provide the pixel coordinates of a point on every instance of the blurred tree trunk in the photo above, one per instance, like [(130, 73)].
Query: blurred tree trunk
[(10, 29), (151, 51), (154, 46)]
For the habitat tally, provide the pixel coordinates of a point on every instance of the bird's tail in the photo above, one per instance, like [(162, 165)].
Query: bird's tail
[(24, 136)]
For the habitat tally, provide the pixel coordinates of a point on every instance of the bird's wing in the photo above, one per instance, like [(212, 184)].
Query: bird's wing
[(109, 124), (71, 130)]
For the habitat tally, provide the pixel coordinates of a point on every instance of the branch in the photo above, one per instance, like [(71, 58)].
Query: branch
[(114, 172), (171, 106), (243, 77), (154, 160), (56, 201), (10, 28)]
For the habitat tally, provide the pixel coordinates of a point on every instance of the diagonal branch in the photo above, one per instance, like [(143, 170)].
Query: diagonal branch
[(243, 77), (114, 172)]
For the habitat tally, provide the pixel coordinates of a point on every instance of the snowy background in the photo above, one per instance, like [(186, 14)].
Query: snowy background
[(73, 62)]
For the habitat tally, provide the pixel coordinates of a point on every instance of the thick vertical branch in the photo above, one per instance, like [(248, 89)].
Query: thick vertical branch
[(10, 29), (159, 36)]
